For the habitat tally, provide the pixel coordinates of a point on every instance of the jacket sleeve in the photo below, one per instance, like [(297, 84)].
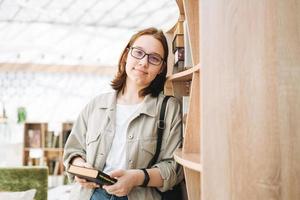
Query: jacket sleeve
[(76, 143), (171, 172)]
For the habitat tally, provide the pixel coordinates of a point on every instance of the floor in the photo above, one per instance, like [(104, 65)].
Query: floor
[(60, 192)]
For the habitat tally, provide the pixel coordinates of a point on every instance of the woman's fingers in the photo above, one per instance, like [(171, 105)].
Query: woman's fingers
[(117, 173), (115, 190), (90, 185), (79, 180), (86, 184), (87, 165)]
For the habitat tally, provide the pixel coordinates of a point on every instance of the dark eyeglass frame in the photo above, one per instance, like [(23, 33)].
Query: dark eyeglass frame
[(148, 54)]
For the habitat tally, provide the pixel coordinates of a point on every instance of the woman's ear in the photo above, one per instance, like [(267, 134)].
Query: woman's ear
[(163, 66)]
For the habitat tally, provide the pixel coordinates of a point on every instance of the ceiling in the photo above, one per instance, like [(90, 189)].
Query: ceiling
[(74, 32)]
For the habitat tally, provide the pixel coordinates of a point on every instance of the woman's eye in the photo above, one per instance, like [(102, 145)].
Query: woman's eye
[(139, 52), (154, 59)]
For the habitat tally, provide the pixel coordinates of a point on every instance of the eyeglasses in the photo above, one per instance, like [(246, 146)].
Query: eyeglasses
[(153, 58)]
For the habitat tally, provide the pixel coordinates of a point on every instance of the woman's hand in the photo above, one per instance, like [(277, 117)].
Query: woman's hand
[(127, 179), (84, 183)]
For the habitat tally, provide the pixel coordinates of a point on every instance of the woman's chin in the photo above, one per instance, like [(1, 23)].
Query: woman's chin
[(141, 82)]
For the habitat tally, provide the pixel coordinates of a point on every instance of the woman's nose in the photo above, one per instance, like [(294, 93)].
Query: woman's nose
[(144, 61)]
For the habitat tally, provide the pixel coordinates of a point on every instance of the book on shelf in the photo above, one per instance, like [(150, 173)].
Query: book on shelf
[(55, 141), (178, 66), (49, 138), (56, 168), (179, 60), (92, 175), (185, 108), (34, 162), (185, 104), (34, 138), (51, 165), (179, 54), (188, 62), (178, 41), (66, 135)]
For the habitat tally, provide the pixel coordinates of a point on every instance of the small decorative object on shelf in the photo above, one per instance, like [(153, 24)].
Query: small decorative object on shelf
[(22, 114)]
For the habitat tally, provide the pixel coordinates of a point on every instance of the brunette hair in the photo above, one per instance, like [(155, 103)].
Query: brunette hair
[(157, 85)]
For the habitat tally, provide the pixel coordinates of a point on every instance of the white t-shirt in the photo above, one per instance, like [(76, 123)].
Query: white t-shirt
[(116, 158)]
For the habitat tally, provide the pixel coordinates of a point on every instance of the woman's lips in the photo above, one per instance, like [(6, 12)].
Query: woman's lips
[(140, 71)]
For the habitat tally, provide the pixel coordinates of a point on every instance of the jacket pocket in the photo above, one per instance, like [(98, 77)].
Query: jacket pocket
[(93, 137), (149, 147)]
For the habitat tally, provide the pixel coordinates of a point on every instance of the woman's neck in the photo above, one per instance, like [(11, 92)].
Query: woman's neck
[(129, 96)]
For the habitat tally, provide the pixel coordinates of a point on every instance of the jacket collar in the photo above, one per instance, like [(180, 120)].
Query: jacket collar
[(148, 106), (108, 101)]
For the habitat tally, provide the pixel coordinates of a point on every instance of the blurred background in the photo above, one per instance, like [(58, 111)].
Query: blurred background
[(56, 55)]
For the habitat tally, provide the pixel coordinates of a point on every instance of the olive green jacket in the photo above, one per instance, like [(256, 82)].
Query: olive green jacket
[(93, 133)]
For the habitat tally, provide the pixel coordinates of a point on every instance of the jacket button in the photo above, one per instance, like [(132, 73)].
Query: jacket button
[(130, 163), (130, 136)]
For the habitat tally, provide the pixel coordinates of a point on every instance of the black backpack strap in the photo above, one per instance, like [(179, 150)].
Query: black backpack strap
[(160, 129)]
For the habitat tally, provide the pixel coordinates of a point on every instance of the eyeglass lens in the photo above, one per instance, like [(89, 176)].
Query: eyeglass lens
[(140, 54)]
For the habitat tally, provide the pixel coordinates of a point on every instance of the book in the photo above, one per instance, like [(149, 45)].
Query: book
[(49, 138), (185, 108), (178, 66), (55, 141), (188, 61), (178, 41), (66, 135), (51, 166), (179, 59), (34, 138), (179, 54), (56, 167), (92, 175)]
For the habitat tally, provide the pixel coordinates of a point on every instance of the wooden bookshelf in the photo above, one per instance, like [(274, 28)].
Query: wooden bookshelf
[(42, 147), (184, 75), (240, 139), (187, 83)]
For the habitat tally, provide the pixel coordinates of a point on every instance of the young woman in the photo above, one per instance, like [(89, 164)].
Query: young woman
[(116, 132)]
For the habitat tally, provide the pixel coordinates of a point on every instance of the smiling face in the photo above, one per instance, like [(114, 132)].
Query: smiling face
[(139, 71), (151, 45)]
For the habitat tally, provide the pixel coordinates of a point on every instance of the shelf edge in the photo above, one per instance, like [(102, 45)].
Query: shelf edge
[(183, 74), (181, 158)]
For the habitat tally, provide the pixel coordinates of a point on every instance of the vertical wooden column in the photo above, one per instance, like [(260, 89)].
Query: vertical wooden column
[(250, 99)]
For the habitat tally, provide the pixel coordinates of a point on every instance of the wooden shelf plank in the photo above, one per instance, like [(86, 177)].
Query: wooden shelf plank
[(184, 75), (44, 149), (188, 160), (53, 149), (30, 148)]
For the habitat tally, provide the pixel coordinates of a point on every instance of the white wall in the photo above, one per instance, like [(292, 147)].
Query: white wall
[(11, 154)]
